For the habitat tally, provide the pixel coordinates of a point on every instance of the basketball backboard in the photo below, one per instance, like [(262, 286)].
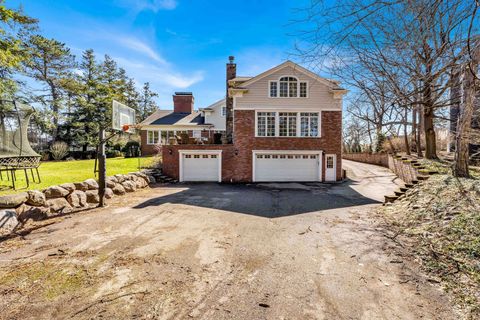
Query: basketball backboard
[(123, 115)]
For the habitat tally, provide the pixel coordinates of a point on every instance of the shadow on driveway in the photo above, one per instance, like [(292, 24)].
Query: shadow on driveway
[(265, 200)]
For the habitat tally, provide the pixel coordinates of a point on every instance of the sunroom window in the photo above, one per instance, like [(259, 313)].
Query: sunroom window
[(152, 137)]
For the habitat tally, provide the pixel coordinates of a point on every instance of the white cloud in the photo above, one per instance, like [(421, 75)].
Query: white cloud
[(151, 5), (161, 75), (139, 46)]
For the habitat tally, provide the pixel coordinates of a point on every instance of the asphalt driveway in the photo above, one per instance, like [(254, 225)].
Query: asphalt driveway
[(210, 251)]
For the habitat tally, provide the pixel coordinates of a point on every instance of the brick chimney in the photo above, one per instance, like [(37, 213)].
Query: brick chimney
[(183, 102), (231, 73)]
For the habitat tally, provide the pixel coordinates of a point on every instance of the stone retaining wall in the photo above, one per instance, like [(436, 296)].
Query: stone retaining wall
[(402, 167), (380, 159), (65, 198)]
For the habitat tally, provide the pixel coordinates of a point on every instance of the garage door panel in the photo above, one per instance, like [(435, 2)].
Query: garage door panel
[(286, 167), (200, 167)]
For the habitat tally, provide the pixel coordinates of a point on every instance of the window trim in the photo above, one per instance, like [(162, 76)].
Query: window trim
[(158, 137), (298, 88), (277, 123)]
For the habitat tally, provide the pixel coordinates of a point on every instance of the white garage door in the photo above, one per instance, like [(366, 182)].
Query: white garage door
[(200, 166), (286, 167)]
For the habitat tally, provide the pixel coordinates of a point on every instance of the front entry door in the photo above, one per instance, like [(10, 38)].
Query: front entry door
[(330, 167)]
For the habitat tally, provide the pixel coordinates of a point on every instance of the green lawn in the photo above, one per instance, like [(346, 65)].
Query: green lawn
[(58, 172)]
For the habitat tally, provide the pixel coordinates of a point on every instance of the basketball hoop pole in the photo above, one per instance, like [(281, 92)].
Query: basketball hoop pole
[(102, 169)]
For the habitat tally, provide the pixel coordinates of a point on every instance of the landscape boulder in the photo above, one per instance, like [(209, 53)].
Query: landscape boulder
[(77, 199), (59, 205), (82, 186), (55, 192), (151, 179), (92, 184), (13, 200), (110, 182), (25, 212), (70, 187), (92, 196), (141, 183), (129, 186), (120, 178), (108, 193), (8, 221), (118, 189), (36, 198)]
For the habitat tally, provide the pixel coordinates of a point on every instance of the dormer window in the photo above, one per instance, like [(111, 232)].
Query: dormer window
[(288, 87)]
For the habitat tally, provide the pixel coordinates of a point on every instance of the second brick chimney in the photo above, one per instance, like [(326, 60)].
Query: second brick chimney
[(183, 102), (231, 73)]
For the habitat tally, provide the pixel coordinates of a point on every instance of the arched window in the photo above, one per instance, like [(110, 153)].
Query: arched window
[(288, 87)]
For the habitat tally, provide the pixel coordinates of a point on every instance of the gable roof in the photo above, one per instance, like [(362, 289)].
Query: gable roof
[(330, 83), (168, 117)]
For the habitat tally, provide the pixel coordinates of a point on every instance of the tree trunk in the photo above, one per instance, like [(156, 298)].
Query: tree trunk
[(428, 115), (419, 131), (464, 125), (414, 127), (405, 131)]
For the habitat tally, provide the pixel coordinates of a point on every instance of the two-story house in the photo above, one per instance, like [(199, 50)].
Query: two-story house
[(284, 124)]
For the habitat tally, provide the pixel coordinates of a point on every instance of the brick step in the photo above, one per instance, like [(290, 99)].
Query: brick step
[(409, 185), (414, 182), (399, 193), (403, 189)]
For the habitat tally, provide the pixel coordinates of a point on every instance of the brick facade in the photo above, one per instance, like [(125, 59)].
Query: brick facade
[(237, 158)]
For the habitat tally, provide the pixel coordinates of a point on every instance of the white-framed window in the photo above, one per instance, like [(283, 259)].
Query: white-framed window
[(287, 122), (273, 88), (224, 111), (152, 137), (330, 162), (266, 124), (288, 87), (303, 89), (197, 134), (309, 124)]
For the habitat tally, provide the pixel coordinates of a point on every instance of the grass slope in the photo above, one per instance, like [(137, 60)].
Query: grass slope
[(58, 172), (441, 220)]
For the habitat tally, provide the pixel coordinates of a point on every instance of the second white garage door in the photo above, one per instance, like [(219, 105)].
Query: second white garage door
[(200, 166), (277, 166)]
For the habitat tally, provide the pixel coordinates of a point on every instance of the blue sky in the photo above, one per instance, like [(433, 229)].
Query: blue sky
[(176, 45)]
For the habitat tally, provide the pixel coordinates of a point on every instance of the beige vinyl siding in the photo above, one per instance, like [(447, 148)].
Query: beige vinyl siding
[(319, 95)]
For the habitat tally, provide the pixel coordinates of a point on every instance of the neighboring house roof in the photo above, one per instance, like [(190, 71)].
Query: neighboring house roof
[(169, 118), (213, 105), (330, 83)]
